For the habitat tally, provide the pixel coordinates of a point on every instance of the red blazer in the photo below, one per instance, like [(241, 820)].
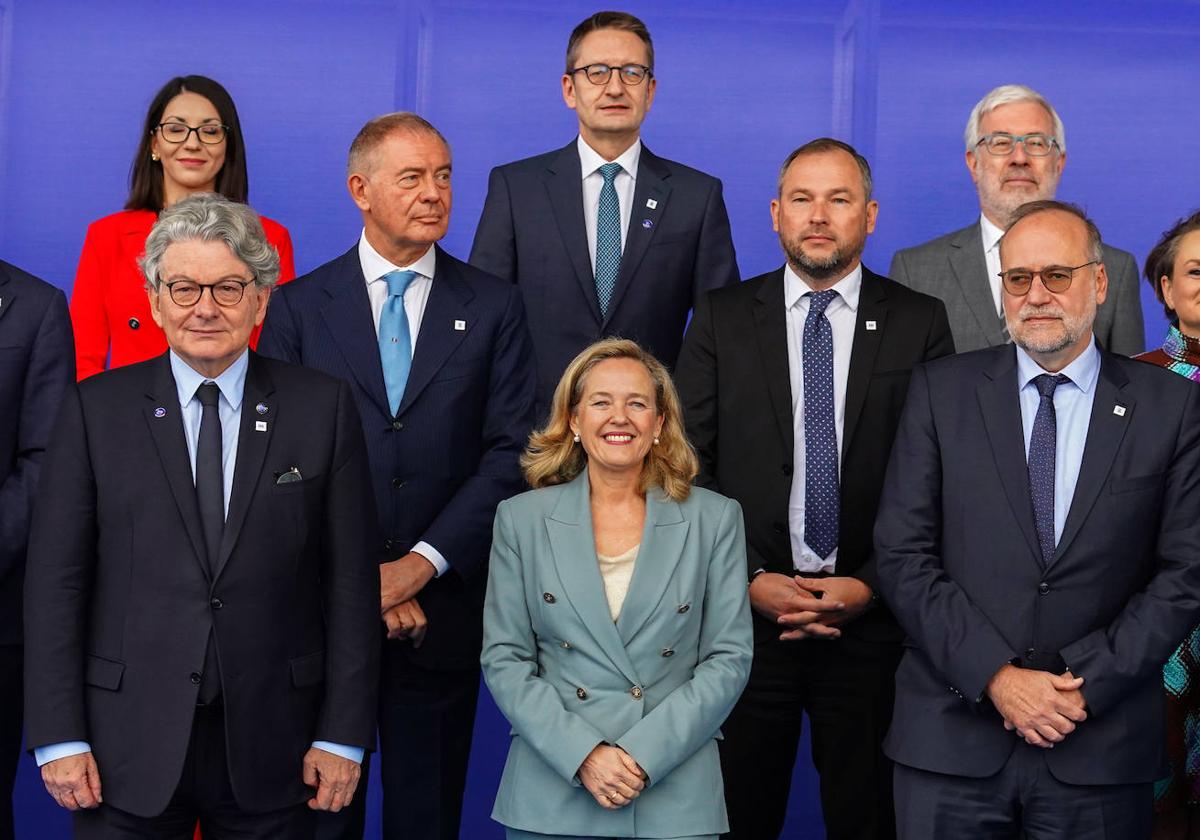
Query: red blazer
[(109, 308)]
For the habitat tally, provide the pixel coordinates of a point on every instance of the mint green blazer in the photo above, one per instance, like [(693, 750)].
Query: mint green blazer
[(658, 682)]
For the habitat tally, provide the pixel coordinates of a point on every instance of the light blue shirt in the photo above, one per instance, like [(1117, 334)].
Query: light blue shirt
[(232, 384), (1072, 410)]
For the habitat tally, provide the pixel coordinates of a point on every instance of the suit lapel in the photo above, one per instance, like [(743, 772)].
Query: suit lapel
[(1000, 405), (251, 453), (771, 321), (650, 187), (1106, 430), (165, 421), (7, 296), (872, 309), (663, 538), (348, 317), (970, 269), (574, 548), (449, 303), (564, 183)]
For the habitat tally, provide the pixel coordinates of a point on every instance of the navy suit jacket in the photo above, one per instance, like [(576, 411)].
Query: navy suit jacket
[(37, 362), (450, 454), (959, 563), (532, 232)]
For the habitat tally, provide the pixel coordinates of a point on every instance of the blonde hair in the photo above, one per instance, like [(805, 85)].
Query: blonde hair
[(552, 456)]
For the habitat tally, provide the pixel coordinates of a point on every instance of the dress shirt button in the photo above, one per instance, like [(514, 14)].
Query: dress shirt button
[(397, 425), (565, 645), (667, 652), (1031, 654), (397, 483), (216, 603), (786, 469), (195, 678), (134, 323), (1044, 588), (682, 608), (581, 693), (636, 692), (548, 597)]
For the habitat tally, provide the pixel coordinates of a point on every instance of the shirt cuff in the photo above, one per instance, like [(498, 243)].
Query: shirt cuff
[(434, 557), (65, 749), (354, 754)]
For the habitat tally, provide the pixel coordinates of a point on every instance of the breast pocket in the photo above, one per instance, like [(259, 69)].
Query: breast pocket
[(1136, 483)]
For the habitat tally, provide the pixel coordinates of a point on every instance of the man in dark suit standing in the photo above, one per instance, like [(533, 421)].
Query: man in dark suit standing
[(37, 363), (437, 354), (200, 595), (792, 384), (1016, 152), (1039, 540), (603, 237)]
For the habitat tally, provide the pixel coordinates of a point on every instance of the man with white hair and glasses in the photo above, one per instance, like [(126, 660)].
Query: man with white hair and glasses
[(1016, 149)]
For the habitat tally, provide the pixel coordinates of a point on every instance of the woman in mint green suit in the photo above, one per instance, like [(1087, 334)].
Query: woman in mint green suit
[(617, 631)]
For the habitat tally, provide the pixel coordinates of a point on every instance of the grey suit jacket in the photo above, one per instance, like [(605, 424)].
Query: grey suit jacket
[(953, 268), (658, 682)]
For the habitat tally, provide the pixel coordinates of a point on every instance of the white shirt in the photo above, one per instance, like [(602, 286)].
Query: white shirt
[(593, 182), (842, 313), (374, 267), (991, 255)]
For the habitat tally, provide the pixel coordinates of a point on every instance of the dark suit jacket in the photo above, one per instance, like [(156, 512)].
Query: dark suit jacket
[(532, 232), (37, 362), (121, 601), (737, 401), (450, 455), (953, 267), (959, 563)]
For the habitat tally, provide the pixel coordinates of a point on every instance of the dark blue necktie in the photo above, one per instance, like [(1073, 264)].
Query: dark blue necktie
[(395, 340), (1041, 461), (821, 494), (210, 497), (608, 238)]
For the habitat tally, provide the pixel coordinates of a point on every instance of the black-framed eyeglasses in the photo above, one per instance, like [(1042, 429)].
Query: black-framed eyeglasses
[(1002, 144), (176, 132), (629, 74), (1056, 278), (226, 292)]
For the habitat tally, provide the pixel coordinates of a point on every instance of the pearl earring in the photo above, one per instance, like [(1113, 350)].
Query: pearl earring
[(656, 441), (154, 157), (577, 438)]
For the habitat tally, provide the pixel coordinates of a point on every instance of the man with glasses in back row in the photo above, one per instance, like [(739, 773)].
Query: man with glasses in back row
[(1016, 151), (603, 236)]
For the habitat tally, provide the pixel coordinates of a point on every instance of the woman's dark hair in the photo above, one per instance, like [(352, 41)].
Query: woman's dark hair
[(1160, 262), (146, 175)]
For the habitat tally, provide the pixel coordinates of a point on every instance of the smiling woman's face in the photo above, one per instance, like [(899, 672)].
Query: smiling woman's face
[(617, 417), (191, 166)]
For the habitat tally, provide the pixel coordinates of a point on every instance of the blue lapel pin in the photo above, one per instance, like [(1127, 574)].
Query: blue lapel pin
[(261, 408), (160, 412)]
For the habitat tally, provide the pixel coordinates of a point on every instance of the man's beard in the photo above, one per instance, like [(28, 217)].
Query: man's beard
[(820, 270), (1003, 205), (1073, 328)]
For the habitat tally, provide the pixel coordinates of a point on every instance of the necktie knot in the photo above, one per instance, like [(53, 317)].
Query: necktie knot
[(1047, 382), (208, 394), (818, 301), (609, 172), (398, 282)]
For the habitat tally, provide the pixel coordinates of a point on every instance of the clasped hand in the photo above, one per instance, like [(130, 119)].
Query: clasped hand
[(1042, 708), (813, 608), (611, 776), (73, 781)]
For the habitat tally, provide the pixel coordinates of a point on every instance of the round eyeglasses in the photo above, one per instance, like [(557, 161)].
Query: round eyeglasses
[(1056, 278), (224, 292), (629, 74), (209, 133), (1002, 144)]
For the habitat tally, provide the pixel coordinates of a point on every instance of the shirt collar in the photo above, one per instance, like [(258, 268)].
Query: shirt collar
[(847, 288), (232, 380), (375, 265), (1083, 372), (991, 233), (591, 160)]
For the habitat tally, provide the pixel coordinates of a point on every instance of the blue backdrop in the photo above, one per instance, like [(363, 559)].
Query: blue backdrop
[(740, 85)]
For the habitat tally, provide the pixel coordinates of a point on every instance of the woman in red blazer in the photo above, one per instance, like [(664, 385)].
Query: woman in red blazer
[(192, 142)]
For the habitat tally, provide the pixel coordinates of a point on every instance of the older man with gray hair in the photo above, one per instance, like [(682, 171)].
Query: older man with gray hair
[(200, 591), (1016, 149)]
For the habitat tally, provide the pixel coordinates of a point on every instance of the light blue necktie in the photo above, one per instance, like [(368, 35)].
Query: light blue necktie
[(822, 499), (395, 340), (608, 238)]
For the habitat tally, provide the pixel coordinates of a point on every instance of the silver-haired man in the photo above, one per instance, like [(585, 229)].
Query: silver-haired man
[(201, 596), (1016, 148)]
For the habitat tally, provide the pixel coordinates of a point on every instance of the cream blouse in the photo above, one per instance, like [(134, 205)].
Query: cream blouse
[(616, 573)]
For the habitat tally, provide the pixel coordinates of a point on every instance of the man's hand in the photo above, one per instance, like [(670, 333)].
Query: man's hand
[(74, 781), (406, 621), (401, 579), (611, 776), (1042, 707), (334, 777), (853, 595), (782, 600)]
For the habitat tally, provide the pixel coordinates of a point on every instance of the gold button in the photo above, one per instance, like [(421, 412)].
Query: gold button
[(636, 692), (668, 652), (565, 645), (548, 598), (581, 693), (683, 608)]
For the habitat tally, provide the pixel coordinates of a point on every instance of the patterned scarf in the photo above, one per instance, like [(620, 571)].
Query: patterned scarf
[(1184, 352)]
